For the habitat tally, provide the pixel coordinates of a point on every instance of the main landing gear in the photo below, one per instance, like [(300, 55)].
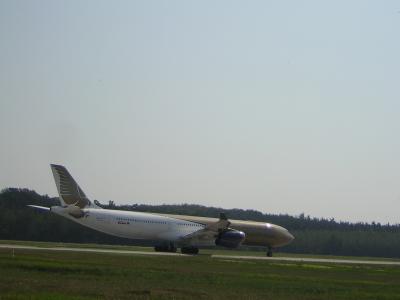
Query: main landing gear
[(269, 252), (189, 250), (165, 248)]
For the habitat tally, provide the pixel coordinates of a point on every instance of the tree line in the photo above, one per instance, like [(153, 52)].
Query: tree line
[(313, 235)]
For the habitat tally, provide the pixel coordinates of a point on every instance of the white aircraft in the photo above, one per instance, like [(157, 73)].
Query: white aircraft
[(170, 231)]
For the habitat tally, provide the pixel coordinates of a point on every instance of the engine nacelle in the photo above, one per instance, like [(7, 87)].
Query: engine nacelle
[(230, 238)]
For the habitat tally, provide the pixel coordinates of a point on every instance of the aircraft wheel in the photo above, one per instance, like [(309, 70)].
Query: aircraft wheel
[(172, 248), (269, 252)]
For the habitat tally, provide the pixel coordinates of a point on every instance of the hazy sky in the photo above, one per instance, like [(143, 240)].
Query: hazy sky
[(278, 106)]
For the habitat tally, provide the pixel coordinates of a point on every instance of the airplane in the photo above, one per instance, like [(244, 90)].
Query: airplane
[(169, 232)]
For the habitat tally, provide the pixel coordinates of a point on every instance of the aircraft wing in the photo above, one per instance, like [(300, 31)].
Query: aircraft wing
[(210, 232)]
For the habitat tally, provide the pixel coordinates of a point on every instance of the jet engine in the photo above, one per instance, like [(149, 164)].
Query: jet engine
[(230, 238)]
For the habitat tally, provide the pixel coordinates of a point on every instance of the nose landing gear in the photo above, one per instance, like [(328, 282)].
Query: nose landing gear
[(269, 252)]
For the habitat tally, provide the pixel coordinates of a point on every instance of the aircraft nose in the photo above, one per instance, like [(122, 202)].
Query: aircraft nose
[(286, 237), (289, 237)]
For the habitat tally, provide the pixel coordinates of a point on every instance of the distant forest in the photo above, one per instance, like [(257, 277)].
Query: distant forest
[(313, 235)]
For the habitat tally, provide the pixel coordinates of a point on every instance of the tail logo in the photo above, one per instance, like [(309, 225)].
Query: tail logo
[(69, 191)]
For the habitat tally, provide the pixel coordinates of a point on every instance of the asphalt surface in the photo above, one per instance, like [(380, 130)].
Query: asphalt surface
[(231, 257), (314, 260), (93, 250)]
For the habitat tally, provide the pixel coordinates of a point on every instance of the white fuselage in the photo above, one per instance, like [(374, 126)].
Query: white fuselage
[(134, 225), (170, 228)]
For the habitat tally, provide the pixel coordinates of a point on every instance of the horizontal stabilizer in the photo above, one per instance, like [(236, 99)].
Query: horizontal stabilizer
[(40, 207)]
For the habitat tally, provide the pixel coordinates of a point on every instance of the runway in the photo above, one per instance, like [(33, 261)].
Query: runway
[(215, 256), (313, 260), (93, 250)]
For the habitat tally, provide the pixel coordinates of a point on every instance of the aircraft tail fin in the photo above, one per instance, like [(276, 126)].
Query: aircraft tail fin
[(69, 191)]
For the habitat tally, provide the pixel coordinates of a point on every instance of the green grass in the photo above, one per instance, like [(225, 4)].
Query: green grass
[(70, 275)]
